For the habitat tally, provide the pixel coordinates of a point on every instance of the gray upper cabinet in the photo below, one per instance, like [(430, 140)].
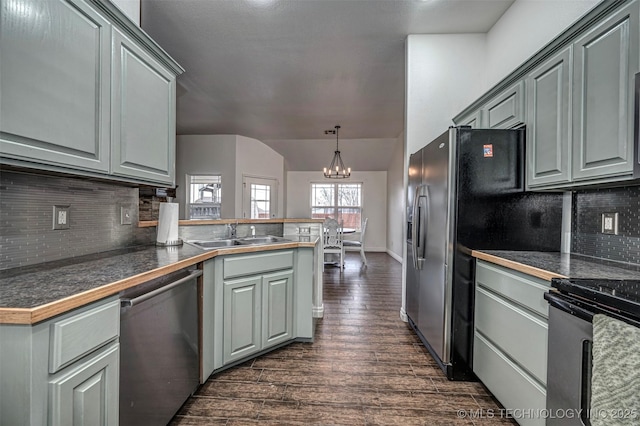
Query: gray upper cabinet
[(505, 111), (548, 99), (605, 61), (474, 120), (143, 114), (55, 84), (85, 91)]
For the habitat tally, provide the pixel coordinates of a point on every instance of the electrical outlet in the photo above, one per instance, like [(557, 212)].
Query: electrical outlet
[(610, 223), (125, 215), (61, 217)]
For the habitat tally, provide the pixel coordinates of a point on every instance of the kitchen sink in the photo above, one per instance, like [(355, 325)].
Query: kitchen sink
[(213, 244), (247, 241), (268, 239)]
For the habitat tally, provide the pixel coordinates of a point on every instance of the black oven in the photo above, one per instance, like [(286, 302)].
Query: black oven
[(572, 306)]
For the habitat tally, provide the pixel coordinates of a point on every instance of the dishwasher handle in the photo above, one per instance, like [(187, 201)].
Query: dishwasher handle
[(147, 296)]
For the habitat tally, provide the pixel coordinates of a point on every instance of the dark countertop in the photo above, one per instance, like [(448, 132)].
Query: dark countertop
[(547, 265), (34, 293)]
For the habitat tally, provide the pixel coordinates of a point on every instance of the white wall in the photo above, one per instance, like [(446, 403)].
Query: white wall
[(131, 8), (396, 201), (524, 29), (444, 73), (254, 158), (207, 154), (374, 199)]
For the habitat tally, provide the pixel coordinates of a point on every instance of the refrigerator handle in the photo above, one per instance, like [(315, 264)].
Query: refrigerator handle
[(414, 228), (423, 220)]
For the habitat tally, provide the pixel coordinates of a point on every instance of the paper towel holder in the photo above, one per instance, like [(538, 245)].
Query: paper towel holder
[(170, 243)]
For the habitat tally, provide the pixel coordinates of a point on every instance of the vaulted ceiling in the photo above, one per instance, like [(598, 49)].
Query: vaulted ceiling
[(279, 70)]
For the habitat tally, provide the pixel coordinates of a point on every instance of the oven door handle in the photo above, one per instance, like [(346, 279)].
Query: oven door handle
[(559, 302)]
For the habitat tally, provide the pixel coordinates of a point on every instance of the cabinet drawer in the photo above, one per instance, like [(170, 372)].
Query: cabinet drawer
[(236, 266), (504, 324), (521, 288), (76, 336), (514, 388)]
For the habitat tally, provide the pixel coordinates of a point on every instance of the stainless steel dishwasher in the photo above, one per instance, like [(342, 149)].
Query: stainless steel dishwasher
[(159, 366)]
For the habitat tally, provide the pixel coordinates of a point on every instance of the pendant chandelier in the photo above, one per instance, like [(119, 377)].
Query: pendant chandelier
[(336, 169)]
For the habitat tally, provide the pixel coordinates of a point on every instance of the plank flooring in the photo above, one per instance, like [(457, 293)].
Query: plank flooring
[(365, 367)]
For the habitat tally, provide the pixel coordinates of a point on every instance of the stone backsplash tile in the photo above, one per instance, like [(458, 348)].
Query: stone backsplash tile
[(587, 238), (26, 218)]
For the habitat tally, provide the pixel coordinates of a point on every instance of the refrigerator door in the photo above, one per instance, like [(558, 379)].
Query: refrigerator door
[(434, 314), (412, 283)]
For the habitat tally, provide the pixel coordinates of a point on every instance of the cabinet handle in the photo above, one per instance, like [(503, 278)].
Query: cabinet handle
[(146, 296)]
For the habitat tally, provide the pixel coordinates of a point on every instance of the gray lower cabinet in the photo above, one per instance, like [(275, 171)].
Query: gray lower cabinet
[(63, 371), (253, 302), (143, 114), (548, 108), (277, 308), (87, 393), (510, 337), (242, 317), (258, 313), (55, 84), (95, 97)]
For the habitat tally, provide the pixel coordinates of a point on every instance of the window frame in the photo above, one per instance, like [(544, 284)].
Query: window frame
[(202, 178), (335, 206)]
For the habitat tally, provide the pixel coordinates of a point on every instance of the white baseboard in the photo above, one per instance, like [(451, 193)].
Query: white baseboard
[(403, 315), (395, 256)]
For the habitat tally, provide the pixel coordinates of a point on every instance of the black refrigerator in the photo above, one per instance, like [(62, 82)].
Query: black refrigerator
[(467, 192)]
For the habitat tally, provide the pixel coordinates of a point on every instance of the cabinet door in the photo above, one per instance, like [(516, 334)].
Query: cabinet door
[(143, 115), (55, 76), (242, 317), (506, 111), (277, 308), (474, 120), (87, 394), (605, 61), (548, 101)]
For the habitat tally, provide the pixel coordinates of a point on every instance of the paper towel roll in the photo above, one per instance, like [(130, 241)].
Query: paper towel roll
[(168, 224)]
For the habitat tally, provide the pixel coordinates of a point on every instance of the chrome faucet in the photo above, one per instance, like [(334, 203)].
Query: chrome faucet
[(231, 230), (253, 231)]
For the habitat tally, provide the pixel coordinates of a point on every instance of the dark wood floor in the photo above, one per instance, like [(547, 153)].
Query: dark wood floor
[(366, 367)]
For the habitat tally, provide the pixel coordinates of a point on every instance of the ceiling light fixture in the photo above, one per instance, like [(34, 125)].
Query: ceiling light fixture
[(336, 170)]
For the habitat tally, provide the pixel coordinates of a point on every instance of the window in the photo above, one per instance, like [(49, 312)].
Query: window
[(260, 201), (204, 198), (342, 201)]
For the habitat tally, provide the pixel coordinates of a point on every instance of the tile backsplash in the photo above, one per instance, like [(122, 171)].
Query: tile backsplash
[(587, 238), (26, 218)]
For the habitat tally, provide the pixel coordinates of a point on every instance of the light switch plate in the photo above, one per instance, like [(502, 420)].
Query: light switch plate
[(125, 215), (610, 223), (61, 217)]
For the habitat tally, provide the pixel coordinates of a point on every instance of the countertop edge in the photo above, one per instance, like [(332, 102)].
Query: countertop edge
[(521, 267), (187, 222), (29, 316)]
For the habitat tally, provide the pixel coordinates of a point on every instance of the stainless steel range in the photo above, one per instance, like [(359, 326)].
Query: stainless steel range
[(573, 305)]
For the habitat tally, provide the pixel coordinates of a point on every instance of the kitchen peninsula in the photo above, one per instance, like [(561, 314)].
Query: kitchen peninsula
[(60, 321)]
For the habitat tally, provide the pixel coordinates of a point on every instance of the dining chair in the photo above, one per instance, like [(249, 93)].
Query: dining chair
[(333, 242), (352, 245)]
